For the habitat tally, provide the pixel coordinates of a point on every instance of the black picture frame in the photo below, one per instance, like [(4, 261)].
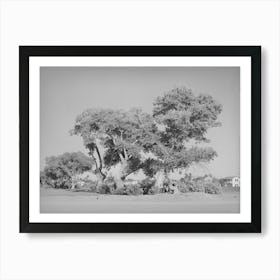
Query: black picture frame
[(25, 52)]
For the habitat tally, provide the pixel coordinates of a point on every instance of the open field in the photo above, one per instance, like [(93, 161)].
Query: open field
[(65, 201)]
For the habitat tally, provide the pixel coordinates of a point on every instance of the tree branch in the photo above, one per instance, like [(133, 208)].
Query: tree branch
[(121, 157), (125, 153)]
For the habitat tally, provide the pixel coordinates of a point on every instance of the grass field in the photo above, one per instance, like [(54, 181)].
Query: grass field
[(65, 201)]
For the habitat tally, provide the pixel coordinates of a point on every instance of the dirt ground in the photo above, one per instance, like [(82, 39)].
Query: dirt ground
[(65, 201)]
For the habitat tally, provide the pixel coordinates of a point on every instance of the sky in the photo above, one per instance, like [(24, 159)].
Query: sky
[(66, 92)]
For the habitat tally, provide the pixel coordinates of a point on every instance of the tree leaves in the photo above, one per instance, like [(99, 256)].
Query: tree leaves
[(185, 115), (61, 169), (178, 117)]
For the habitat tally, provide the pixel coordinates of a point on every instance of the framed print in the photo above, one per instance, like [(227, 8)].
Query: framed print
[(140, 138)]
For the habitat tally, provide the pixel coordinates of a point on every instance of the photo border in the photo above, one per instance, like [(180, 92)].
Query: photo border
[(25, 52)]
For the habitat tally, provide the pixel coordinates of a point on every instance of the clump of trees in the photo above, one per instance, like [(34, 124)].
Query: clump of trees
[(61, 171), (179, 118)]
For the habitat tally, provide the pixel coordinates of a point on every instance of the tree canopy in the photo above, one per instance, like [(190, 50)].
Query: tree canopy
[(178, 117), (121, 133), (60, 170), (185, 116)]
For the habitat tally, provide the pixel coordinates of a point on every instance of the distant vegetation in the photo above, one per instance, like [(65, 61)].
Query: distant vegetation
[(61, 171)]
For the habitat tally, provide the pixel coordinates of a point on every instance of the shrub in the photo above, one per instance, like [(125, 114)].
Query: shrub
[(129, 189), (134, 189), (43, 179), (111, 183), (90, 186), (153, 190), (60, 170), (187, 184), (103, 189), (61, 183), (184, 186), (213, 188), (147, 184), (198, 186), (50, 179), (119, 191)]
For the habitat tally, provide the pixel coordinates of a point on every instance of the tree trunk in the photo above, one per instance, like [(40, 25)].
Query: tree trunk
[(124, 170), (161, 177), (119, 183), (100, 174), (122, 174), (73, 181), (73, 186), (100, 167)]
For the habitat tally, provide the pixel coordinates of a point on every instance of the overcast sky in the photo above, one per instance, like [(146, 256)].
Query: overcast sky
[(66, 91)]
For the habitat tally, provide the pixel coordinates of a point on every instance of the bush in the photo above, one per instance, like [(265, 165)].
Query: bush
[(90, 186), (134, 189), (61, 183), (185, 187), (58, 169), (43, 178), (190, 186), (111, 183), (213, 188), (147, 184), (119, 191), (153, 190), (103, 189), (198, 186), (129, 189)]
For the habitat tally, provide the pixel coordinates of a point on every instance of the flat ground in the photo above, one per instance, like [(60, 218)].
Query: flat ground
[(65, 201)]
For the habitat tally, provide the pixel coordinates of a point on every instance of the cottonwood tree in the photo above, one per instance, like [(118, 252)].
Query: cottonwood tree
[(61, 170), (183, 118), (121, 133), (179, 117)]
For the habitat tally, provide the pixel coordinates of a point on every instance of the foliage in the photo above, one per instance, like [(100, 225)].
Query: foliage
[(121, 133), (132, 189), (182, 117), (103, 189), (147, 185), (213, 188), (185, 116), (179, 117), (151, 166), (197, 186), (153, 190), (119, 191), (111, 183), (202, 184), (128, 189), (43, 179), (60, 170), (90, 186), (108, 186), (185, 186)]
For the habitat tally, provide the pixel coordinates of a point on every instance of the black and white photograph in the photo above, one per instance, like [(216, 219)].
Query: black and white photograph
[(140, 140)]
